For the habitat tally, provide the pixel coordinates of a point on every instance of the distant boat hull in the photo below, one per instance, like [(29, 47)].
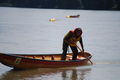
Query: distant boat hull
[(73, 16), (19, 61)]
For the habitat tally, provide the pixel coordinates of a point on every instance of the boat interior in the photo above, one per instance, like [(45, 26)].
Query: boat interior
[(53, 57)]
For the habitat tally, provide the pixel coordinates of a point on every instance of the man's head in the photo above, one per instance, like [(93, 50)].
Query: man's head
[(78, 32)]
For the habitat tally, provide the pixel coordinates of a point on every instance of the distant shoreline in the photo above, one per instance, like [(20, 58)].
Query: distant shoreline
[(65, 4), (59, 9)]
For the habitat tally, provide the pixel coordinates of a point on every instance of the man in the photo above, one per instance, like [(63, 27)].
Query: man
[(71, 39)]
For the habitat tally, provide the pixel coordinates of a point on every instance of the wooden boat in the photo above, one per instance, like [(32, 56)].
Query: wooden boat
[(73, 16), (30, 61)]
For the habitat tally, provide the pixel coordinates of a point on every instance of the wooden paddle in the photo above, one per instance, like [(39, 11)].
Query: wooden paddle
[(85, 57)]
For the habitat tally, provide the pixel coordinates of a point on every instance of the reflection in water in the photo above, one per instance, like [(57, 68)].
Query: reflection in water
[(45, 74), (22, 74), (76, 74)]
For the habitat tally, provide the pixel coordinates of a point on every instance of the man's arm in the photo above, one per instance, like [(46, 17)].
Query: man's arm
[(68, 36), (81, 43)]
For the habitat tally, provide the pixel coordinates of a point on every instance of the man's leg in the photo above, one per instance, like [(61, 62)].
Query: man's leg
[(75, 53), (65, 46)]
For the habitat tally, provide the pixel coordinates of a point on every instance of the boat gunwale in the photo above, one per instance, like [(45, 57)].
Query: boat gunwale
[(20, 56)]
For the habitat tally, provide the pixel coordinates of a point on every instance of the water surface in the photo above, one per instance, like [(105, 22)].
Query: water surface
[(29, 31)]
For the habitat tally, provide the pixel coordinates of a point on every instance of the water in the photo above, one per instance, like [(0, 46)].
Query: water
[(29, 31)]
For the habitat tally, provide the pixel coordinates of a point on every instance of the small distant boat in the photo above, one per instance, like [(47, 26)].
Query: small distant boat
[(73, 16), (30, 61), (52, 19)]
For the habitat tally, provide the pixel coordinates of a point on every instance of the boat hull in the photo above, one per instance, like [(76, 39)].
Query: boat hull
[(26, 61)]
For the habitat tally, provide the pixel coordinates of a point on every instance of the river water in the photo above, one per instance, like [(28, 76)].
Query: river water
[(29, 31)]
